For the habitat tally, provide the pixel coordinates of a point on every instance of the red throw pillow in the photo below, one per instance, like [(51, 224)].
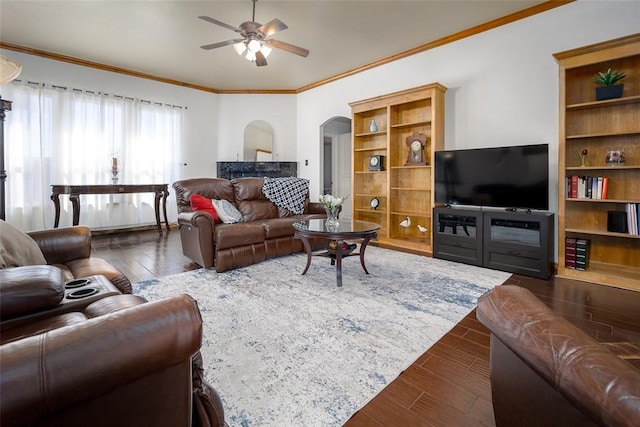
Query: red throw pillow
[(201, 203)]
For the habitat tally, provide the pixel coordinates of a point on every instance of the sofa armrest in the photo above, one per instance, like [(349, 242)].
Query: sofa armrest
[(30, 288), (585, 372), (196, 234), (61, 372), (61, 245), (198, 219), (315, 208)]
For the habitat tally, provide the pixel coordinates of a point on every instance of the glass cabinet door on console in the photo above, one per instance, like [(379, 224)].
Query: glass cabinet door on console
[(458, 235), (520, 242)]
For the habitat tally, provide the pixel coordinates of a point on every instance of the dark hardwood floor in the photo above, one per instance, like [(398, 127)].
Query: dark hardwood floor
[(449, 384), (143, 255)]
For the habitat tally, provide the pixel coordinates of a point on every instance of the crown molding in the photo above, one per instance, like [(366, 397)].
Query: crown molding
[(507, 19), (495, 23)]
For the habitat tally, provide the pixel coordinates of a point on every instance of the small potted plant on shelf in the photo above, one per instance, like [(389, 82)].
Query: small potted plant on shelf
[(608, 88)]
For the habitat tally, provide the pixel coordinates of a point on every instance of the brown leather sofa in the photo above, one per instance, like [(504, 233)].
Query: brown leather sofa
[(122, 362), (69, 249), (547, 372), (265, 232)]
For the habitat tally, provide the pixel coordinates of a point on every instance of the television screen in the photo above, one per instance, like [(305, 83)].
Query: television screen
[(509, 177)]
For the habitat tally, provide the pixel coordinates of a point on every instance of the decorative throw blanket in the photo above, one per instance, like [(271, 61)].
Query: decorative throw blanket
[(289, 193)]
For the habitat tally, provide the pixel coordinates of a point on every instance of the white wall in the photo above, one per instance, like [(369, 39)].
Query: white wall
[(237, 111), (503, 83)]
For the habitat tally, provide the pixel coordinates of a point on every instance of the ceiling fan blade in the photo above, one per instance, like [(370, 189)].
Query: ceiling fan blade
[(260, 59), (222, 24), (272, 27), (288, 47), (220, 44)]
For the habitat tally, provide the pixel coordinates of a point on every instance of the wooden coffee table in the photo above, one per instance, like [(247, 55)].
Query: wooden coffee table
[(346, 230)]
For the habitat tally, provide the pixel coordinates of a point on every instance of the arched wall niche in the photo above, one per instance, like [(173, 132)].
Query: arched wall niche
[(258, 142)]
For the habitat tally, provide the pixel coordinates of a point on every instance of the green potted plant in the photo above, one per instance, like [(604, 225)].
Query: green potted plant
[(607, 81)]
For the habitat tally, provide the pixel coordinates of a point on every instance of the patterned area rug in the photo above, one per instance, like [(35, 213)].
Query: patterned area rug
[(288, 350)]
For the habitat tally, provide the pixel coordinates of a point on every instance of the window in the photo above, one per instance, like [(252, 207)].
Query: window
[(68, 136)]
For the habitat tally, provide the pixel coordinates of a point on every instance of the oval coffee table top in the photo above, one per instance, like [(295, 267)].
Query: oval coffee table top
[(345, 227)]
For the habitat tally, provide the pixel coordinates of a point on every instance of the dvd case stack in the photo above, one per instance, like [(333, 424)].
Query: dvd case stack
[(576, 255), (582, 254), (570, 252)]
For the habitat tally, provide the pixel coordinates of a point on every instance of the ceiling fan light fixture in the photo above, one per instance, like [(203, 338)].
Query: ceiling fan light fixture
[(254, 45), (240, 48), (266, 50)]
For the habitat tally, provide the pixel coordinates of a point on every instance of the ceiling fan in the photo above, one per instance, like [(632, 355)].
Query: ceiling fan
[(254, 43)]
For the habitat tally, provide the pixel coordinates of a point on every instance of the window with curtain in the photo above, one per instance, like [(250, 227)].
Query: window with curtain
[(66, 136)]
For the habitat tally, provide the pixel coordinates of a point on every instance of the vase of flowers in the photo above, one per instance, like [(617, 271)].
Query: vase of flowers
[(583, 155), (332, 206)]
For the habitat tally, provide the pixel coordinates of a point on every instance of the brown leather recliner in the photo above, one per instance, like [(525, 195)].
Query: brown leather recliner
[(128, 363), (69, 249), (547, 372), (265, 232), (79, 352)]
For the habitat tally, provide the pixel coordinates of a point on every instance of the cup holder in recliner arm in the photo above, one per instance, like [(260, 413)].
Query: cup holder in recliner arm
[(76, 283), (82, 293)]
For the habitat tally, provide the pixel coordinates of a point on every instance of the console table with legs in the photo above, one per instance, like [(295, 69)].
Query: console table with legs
[(74, 191)]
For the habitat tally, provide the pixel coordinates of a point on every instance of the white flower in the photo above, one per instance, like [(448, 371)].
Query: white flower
[(328, 201)]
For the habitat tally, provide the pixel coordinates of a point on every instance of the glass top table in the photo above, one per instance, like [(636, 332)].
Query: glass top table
[(344, 230)]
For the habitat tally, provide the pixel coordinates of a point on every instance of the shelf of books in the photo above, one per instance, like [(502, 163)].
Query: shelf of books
[(599, 167)]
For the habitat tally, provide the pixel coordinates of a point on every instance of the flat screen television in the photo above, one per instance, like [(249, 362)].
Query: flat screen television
[(515, 177)]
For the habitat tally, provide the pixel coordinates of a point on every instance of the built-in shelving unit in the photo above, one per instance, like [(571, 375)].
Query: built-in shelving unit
[(403, 190), (599, 126)]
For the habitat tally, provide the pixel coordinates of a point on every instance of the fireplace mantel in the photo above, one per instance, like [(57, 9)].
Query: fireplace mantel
[(231, 170)]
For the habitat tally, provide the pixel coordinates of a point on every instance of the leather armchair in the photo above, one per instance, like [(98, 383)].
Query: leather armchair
[(129, 364), (69, 249), (547, 372)]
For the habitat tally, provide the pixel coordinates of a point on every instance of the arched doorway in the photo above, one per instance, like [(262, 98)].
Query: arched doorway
[(335, 171)]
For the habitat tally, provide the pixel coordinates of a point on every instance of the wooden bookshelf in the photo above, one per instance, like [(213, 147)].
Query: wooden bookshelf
[(599, 126), (402, 190)]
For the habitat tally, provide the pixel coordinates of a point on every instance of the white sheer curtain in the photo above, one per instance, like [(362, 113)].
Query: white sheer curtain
[(68, 136)]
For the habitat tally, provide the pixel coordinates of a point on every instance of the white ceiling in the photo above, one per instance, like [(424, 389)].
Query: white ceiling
[(163, 38)]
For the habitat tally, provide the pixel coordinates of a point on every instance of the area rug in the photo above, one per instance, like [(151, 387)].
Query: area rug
[(284, 349)]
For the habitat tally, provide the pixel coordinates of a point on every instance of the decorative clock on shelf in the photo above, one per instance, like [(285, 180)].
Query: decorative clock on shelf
[(376, 163), (375, 203), (416, 142)]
